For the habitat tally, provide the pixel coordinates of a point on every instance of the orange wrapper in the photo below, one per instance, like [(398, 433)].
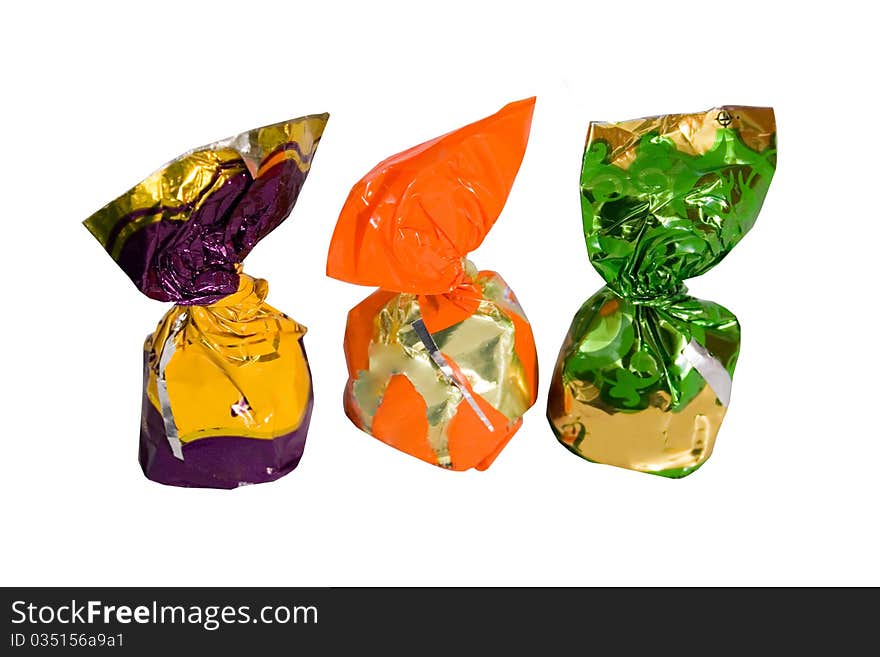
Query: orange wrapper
[(441, 358)]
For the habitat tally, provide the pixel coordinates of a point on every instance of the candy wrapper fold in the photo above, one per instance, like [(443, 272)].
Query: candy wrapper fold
[(441, 358), (644, 376), (227, 391)]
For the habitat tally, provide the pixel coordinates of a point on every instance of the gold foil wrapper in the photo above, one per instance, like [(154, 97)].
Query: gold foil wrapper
[(650, 440), (693, 134)]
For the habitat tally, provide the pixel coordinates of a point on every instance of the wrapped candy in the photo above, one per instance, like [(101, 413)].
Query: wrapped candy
[(643, 379), (227, 391), (441, 359)]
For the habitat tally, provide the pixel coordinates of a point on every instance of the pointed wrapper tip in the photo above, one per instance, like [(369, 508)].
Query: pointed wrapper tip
[(180, 233), (407, 224)]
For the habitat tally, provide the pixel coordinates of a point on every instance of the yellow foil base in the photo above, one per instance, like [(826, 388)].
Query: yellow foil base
[(238, 367)]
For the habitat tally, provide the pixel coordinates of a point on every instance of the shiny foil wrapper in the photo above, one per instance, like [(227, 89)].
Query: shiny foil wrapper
[(441, 358), (227, 392), (644, 376)]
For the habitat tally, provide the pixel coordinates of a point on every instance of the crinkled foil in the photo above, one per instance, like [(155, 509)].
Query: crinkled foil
[(643, 378), (441, 359), (180, 233), (239, 393), (227, 390), (409, 224), (457, 418)]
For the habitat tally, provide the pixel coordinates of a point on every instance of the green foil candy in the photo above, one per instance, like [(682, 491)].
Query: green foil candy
[(643, 377)]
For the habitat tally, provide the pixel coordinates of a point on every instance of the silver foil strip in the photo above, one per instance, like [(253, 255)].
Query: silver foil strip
[(434, 352), (711, 369), (162, 388)]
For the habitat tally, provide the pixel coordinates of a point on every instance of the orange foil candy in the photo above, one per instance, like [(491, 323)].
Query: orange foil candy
[(441, 358)]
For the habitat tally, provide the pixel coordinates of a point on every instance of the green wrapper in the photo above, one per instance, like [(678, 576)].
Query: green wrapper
[(644, 375)]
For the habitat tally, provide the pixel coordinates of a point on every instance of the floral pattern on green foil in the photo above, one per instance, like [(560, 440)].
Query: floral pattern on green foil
[(668, 217), (631, 356)]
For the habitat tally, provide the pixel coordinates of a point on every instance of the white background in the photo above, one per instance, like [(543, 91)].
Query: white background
[(95, 97)]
